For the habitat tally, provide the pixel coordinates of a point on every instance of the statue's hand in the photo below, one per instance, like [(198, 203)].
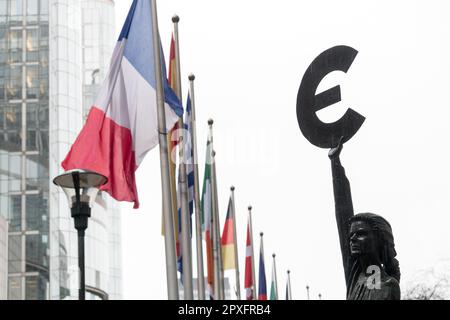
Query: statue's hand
[(336, 151)]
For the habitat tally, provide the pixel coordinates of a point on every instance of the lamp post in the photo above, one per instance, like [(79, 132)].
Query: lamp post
[(81, 188)]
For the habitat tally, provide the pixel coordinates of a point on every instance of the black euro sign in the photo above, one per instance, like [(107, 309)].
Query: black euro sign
[(326, 135)]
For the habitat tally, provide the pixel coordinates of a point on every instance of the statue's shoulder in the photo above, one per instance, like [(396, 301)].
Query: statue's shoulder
[(391, 288)]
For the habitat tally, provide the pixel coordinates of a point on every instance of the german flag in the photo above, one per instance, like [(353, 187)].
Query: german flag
[(228, 241)]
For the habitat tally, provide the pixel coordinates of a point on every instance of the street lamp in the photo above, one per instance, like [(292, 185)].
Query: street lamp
[(81, 188)]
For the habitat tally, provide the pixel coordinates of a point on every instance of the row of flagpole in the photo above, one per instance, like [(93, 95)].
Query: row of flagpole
[(178, 209), (126, 121)]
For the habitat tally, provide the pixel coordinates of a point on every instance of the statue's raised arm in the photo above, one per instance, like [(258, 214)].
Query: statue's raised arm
[(343, 206)]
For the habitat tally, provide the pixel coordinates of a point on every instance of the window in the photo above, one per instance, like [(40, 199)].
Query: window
[(43, 59), (32, 7), (3, 7), (3, 36), (15, 212), (37, 175), (31, 288), (16, 11), (14, 288), (33, 142), (43, 132), (12, 126), (15, 45), (43, 36), (14, 85), (16, 7), (2, 87), (32, 45), (43, 88), (32, 81), (32, 119), (44, 7), (32, 11), (35, 253), (14, 254)]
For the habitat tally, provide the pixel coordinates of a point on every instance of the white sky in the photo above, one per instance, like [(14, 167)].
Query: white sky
[(249, 58)]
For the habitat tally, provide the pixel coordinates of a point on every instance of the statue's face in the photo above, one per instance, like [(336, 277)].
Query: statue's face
[(362, 239)]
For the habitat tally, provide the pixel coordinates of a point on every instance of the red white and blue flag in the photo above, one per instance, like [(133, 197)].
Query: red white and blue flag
[(122, 124), (262, 288), (248, 280)]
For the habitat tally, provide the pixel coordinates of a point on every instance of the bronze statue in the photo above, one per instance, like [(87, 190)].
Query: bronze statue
[(367, 244)]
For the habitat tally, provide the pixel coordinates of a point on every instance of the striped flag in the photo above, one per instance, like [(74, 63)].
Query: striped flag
[(227, 242), (262, 289), (189, 155), (248, 281), (206, 207), (122, 125)]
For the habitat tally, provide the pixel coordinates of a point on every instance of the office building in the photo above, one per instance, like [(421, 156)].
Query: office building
[(50, 50)]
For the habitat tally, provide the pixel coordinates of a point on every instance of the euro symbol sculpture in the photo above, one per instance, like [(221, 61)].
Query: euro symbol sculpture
[(366, 239), (320, 134)]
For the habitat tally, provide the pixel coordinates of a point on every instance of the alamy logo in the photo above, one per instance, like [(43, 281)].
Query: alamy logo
[(374, 280)]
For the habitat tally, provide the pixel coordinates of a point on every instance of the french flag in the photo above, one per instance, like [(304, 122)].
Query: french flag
[(122, 124)]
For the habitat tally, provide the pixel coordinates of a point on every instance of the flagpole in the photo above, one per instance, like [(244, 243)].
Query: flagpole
[(217, 229), (275, 277), (198, 223), (172, 158), (213, 219), (215, 223), (171, 265), (236, 261), (185, 214), (255, 293), (289, 297)]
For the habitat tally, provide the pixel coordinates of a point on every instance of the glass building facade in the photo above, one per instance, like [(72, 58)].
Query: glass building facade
[(3, 258), (43, 63), (24, 144)]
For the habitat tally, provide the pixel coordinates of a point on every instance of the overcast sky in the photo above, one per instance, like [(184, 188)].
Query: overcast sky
[(249, 58)]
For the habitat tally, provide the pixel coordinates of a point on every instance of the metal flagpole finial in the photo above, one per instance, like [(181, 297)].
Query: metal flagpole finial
[(191, 77), (249, 208), (232, 188), (210, 122), (289, 271), (175, 19), (273, 255), (261, 234)]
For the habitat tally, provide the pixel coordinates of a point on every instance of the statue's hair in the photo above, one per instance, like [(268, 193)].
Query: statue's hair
[(383, 232)]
